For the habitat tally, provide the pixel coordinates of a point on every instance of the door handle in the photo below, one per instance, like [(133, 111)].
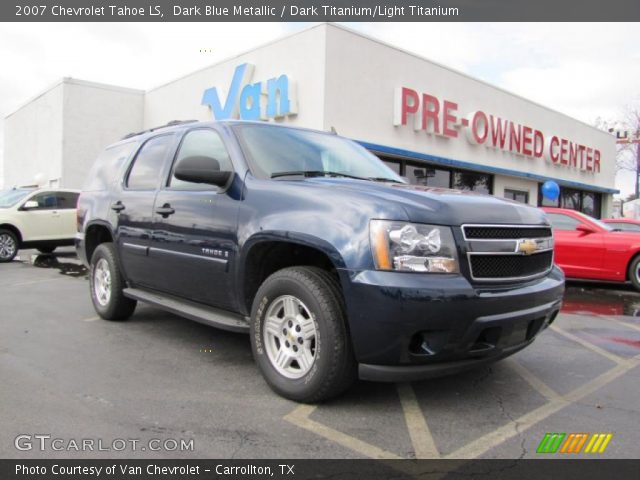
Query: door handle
[(117, 206), (165, 210)]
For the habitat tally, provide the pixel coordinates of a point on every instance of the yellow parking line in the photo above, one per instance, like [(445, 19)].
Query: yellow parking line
[(421, 438), (541, 387), (588, 345), (300, 418), (90, 319), (487, 442)]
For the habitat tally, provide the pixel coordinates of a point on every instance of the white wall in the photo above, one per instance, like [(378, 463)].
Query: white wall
[(301, 57), (33, 140), (362, 75), (95, 116)]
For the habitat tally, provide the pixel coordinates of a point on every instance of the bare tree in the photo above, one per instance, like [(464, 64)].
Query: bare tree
[(627, 131)]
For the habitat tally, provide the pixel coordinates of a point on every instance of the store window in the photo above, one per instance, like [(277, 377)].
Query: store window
[(517, 195), (395, 166), (471, 181), (589, 203), (427, 175)]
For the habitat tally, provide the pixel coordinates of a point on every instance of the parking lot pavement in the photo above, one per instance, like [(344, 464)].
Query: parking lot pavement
[(68, 374)]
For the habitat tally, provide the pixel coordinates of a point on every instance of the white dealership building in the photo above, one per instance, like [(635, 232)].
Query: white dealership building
[(431, 124)]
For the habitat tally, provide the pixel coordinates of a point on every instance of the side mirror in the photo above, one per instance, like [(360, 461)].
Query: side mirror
[(30, 204), (585, 229), (201, 169)]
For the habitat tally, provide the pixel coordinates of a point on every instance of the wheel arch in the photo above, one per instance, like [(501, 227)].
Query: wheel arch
[(96, 233), (15, 230)]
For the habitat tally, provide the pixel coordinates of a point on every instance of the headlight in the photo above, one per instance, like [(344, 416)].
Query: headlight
[(412, 247)]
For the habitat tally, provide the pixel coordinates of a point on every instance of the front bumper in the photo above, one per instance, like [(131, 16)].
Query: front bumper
[(408, 326)]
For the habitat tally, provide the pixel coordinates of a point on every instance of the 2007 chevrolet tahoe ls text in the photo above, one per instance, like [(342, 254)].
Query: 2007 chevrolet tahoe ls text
[(335, 266)]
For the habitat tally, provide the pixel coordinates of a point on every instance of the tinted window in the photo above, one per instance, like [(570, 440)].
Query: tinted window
[(46, 201), (67, 200), (201, 143), (147, 167), (476, 182), (107, 166), (629, 227), (517, 195), (427, 175), (562, 222)]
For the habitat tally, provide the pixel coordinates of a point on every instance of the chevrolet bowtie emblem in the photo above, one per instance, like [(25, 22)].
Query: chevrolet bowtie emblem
[(527, 247)]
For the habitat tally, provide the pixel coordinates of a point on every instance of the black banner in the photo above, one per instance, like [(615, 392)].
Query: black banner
[(319, 10), (578, 469)]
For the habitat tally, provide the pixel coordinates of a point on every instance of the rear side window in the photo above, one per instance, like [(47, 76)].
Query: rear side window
[(67, 200), (108, 165), (147, 167)]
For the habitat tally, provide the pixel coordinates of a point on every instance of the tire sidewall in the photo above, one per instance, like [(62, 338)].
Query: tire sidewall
[(103, 310), (632, 272), (314, 379)]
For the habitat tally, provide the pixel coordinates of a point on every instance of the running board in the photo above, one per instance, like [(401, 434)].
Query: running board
[(212, 316)]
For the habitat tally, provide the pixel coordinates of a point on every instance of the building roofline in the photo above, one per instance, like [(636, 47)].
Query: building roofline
[(75, 81)]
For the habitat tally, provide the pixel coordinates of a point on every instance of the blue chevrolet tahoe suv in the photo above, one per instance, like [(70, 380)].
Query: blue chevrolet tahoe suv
[(334, 265)]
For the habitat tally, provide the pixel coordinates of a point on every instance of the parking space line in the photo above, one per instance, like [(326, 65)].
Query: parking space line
[(421, 438), (622, 322), (300, 418), (485, 443), (600, 351), (32, 282), (535, 382), (90, 319)]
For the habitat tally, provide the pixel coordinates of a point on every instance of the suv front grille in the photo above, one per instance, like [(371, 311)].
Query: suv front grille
[(502, 233), (498, 253), (499, 267)]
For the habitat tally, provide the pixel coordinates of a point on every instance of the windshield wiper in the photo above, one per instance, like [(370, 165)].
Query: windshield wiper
[(315, 173)]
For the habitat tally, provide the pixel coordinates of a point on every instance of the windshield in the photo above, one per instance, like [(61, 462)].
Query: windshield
[(272, 151), (8, 198)]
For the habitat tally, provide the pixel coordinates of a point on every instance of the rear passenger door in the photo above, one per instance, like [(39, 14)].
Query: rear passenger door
[(132, 206), (194, 240), (67, 208)]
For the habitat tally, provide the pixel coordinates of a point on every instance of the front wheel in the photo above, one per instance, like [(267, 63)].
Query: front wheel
[(299, 336), (107, 283), (8, 246)]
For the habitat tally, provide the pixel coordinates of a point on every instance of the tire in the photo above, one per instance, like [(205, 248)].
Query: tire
[(299, 336), (106, 284), (634, 272), (46, 250), (8, 245)]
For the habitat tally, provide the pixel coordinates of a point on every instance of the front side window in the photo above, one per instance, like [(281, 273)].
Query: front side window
[(202, 142), (273, 150), (45, 200), (147, 166), (562, 222)]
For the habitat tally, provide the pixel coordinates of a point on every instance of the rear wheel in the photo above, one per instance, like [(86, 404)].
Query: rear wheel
[(634, 272), (299, 336), (8, 245), (107, 283)]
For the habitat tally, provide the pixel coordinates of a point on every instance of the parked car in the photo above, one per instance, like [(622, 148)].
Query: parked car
[(305, 240), (36, 218), (587, 248), (623, 224)]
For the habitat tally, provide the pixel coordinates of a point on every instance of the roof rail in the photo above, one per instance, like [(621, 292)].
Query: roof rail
[(172, 123)]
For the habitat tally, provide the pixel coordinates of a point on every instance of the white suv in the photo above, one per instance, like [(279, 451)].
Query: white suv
[(42, 219)]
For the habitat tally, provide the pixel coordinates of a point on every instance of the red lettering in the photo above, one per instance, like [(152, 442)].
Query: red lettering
[(553, 149), (527, 141), (480, 127), (410, 103), (596, 160), (573, 154), (430, 117), (515, 137), (538, 144), (449, 120), (589, 160), (563, 152), (498, 132)]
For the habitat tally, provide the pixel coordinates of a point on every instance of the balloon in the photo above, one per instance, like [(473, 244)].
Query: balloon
[(550, 190)]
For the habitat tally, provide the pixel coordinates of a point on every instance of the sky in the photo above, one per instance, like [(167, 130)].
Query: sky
[(586, 70)]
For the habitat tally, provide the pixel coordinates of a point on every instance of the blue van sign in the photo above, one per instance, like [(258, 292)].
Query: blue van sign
[(274, 98)]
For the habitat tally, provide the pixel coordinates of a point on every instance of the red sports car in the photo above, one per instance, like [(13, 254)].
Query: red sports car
[(624, 224), (590, 249)]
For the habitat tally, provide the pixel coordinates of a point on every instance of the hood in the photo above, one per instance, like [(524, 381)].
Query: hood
[(441, 206)]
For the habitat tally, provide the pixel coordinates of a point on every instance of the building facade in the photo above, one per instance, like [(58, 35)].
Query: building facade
[(431, 124)]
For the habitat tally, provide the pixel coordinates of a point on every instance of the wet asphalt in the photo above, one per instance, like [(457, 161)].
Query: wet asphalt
[(67, 374)]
